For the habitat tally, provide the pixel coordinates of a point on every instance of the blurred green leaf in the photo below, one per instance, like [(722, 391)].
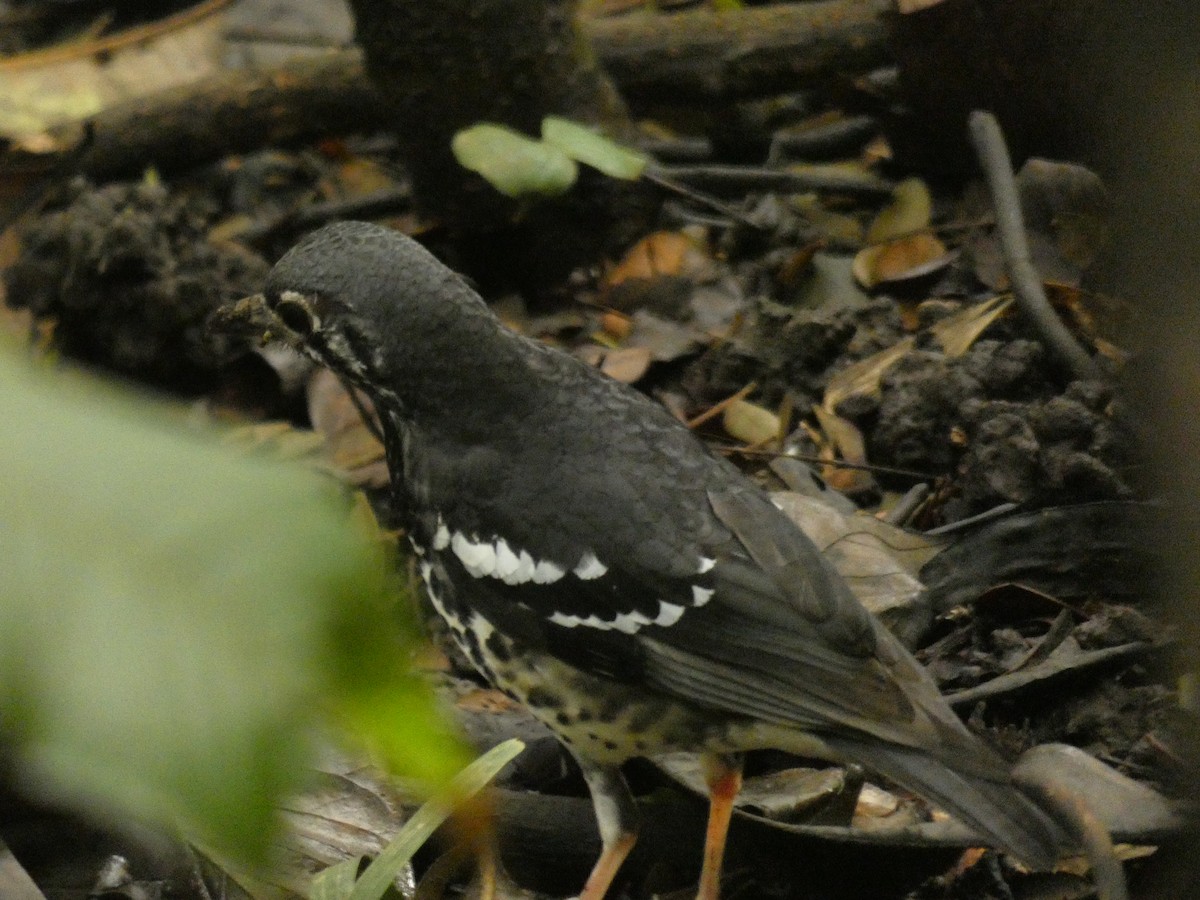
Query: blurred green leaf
[(334, 883), (174, 617), (593, 149), (514, 164)]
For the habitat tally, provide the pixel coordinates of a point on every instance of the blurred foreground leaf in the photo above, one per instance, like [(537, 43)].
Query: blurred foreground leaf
[(338, 881), (174, 618)]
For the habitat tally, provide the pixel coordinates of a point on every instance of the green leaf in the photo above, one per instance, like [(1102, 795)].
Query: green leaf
[(174, 617), (331, 884), (336, 882), (593, 149), (515, 165)]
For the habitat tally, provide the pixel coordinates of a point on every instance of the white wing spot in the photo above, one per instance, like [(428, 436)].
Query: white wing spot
[(546, 572), (499, 560), (701, 595), (589, 567), (507, 562), (524, 571), (705, 565), (668, 614), (592, 621), (477, 558), (629, 623), (441, 537)]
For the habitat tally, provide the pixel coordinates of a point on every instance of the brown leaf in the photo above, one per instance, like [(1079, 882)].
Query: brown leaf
[(863, 377), (1068, 204), (750, 423), (659, 253), (915, 256), (845, 437), (910, 211), (616, 325), (626, 364), (958, 332)]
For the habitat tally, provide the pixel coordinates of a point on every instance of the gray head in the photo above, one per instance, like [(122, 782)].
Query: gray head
[(379, 309)]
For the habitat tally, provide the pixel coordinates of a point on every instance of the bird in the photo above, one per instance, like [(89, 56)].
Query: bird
[(594, 560)]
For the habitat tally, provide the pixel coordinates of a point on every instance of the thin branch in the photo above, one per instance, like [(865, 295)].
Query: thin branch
[(993, 156), (737, 180)]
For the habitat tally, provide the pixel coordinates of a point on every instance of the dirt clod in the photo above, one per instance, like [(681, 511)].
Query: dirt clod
[(129, 276)]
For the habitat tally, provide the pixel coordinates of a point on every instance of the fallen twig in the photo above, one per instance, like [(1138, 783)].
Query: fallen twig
[(717, 408), (1046, 670), (667, 58), (993, 156), (737, 180), (1073, 809)]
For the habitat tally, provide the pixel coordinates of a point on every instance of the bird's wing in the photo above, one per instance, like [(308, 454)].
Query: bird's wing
[(753, 622), (786, 641)]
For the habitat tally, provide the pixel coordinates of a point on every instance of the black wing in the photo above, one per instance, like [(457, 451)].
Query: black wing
[(741, 615)]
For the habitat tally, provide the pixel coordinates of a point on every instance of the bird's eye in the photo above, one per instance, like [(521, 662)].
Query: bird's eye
[(295, 316)]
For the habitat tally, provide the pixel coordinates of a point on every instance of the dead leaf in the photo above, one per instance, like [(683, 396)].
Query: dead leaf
[(616, 325), (958, 332), (903, 259), (1066, 212), (72, 82), (666, 339), (659, 253), (877, 150), (797, 263), (1067, 203), (359, 176), (834, 227), (863, 377), (626, 364), (879, 561), (910, 211), (850, 446), (750, 423), (905, 7)]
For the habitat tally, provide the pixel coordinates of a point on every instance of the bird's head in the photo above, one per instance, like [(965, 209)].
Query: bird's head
[(384, 313)]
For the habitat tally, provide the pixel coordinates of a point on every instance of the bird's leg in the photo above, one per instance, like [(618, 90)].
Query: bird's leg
[(617, 816), (475, 822), (723, 772)]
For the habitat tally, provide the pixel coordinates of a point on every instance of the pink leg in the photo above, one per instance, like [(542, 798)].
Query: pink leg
[(724, 776), (617, 816)]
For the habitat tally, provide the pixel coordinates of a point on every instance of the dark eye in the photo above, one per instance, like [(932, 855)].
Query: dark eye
[(295, 316)]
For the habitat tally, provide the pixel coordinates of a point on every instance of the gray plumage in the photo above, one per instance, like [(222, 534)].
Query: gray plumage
[(712, 605)]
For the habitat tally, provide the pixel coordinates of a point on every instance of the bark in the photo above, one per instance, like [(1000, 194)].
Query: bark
[(448, 65), (651, 58), (772, 49)]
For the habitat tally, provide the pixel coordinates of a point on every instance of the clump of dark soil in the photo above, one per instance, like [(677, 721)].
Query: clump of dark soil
[(129, 275), (1004, 426)]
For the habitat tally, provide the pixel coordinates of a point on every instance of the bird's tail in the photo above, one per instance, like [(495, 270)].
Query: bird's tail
[(986, 800)]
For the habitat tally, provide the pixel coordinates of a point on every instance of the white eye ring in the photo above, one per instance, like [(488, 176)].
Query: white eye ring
[(295, 311)]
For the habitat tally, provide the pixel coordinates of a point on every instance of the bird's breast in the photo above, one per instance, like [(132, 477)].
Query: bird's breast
[(599, 718)]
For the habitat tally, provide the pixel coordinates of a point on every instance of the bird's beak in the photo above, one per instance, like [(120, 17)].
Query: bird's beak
[(250, 319)]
